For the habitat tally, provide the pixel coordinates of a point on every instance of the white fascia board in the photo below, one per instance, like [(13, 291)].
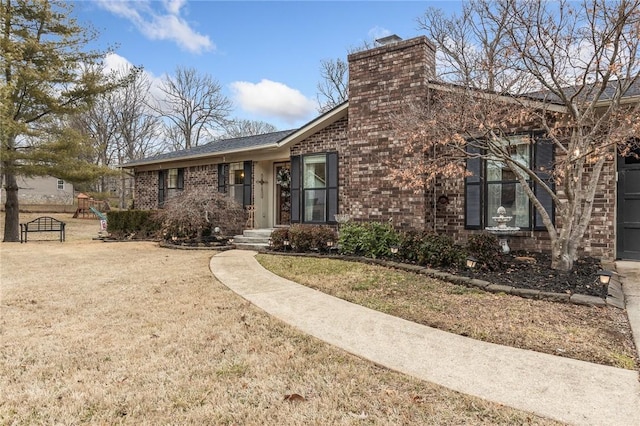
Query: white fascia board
[(316, 125)]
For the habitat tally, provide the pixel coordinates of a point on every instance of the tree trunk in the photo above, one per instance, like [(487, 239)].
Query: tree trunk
[(563, 255), (11, 210)]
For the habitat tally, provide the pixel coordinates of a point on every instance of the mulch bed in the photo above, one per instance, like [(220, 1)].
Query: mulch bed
[(533, 271)]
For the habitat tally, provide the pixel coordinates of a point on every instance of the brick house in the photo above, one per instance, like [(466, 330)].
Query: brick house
[(339, 163)]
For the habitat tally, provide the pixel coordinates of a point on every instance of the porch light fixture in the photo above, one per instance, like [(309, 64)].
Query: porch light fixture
[(471, 262), (393, 249), (605, 276)]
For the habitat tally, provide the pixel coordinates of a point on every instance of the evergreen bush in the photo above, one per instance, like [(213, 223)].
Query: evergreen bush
[(370, 239), (486, 249), (140, 224)]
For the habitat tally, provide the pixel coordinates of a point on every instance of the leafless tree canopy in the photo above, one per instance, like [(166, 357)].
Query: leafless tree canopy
[(239, 128), (194, 106), (571, 64), (333, 87)]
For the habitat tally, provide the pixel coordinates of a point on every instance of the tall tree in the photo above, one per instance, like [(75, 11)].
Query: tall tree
[(194, 106), (46, 75), (583, 61), (137, 128)]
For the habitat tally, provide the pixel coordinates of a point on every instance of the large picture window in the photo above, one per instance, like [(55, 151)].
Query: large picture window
[(503, 186), (314, 188), (493, 183)]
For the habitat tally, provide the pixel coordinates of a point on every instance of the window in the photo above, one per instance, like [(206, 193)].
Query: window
[(236, 179), (503, 187), (493, 184), (176, 179), (314, 188), (314, 181), (60, 184), (236, 182)]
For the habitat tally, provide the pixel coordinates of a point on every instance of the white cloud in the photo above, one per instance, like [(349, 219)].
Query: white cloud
[(378, 32), (167, 24), (119, 64), (115, 62), (272, 99)]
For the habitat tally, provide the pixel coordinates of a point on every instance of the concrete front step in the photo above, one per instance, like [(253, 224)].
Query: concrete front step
[(253, 239)]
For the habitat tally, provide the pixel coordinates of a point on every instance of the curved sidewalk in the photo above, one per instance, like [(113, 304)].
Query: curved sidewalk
[(564, 389)]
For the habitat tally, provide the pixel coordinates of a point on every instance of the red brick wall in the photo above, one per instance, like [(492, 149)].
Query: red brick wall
[(381, 82), (146, 188)]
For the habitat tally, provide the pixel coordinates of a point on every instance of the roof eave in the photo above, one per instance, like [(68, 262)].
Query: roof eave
[(521, 100), (316, 124)]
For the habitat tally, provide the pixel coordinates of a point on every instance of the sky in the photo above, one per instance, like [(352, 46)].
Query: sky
[(265, 55)]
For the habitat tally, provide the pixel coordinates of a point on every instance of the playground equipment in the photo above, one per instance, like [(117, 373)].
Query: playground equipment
[(88, 208), (103, 220)]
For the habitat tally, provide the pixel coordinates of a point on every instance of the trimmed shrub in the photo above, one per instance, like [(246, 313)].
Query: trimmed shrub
[(370, 239), (438, 250), (139, 224), (486, 248), (277, 238), (410, 243), (305, 238)]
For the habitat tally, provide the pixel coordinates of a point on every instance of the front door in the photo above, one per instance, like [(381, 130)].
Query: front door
[(283, 193), (628, 226)]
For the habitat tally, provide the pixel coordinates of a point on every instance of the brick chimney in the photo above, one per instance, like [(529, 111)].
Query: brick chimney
[(381, 81)]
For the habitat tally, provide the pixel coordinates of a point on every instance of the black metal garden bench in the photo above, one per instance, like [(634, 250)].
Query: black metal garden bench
[(42, 224)]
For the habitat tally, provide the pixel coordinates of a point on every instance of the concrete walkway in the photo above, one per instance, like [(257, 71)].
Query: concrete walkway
[(564, 389)]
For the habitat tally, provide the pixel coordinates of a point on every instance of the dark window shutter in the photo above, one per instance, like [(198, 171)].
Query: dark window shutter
[(181, 179), (246, 184), (295, 188), (543, 167), (332, 186), (161, 187), (473, 191), (223, 177)]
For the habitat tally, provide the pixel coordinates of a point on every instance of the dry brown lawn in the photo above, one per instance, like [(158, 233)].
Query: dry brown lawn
[(599, 335), (129, 333)]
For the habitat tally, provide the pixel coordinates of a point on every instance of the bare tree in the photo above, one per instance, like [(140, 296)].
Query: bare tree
[(121, 126), (238, 128), (194, 106), (473, 47), (585, 57), (137, 127), (333, 87)]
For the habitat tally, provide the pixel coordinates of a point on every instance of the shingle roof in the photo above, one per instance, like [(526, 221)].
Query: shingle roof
[(220, 146), (590, 89)]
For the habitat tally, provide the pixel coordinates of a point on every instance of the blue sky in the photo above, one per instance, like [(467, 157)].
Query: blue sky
[(265, 54)]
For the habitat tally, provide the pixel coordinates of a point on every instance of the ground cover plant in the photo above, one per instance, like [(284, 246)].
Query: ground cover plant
[(599, 335), (128, 333)]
